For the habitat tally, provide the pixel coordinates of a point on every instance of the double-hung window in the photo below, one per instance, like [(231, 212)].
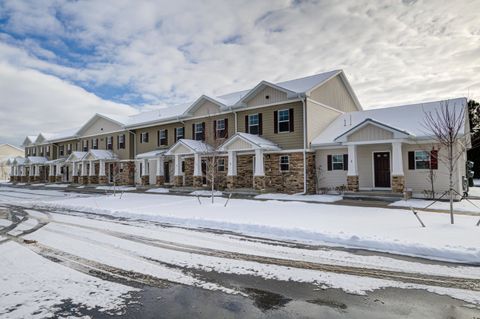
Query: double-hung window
[(109, 142), (284, 120), (199, 131), (69, 148), (162, 137), (221, 129), (61, 150), (284, 163), (422, 160), (337, 162), (41, 150), (85, 145), (221, 165), (179, 133), (144, 137), (121, 141), (47, 150), (95, 144), (253, 124)]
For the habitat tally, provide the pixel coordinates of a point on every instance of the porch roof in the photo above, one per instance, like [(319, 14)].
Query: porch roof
[(76, 156), (55, 161), (396, 131), (19, 161), (32, 160), (186, 147), (248, 142), (152, 154), (95, 155)]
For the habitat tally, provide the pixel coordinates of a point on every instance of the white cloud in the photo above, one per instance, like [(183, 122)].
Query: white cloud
[(169, 52), (33, 102)]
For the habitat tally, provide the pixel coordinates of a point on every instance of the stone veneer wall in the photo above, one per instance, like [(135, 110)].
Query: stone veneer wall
[(244, 177), (188, 171), (126, 174)]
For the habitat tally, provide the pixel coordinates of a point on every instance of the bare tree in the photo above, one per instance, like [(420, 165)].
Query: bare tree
[(446, 124)]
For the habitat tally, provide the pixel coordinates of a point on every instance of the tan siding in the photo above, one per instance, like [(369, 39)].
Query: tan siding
[(318, 118), (206, 108), (370, 133), (329, 179), (101, 126), (239, 144), (334, 94), (123, 154), (290, 140), (153, 137), (209, 134), (274, 96)]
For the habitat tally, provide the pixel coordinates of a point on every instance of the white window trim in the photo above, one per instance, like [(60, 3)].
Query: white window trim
[(280, 163), (333, 162), (429, 159), (218, 164), (288, 121), (164, 131), (182, 129), (142, 137), (198, 125), (257, 125)]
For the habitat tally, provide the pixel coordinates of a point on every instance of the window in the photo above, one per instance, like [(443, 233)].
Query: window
[(179, 133), (121, 141), (144, 137), (183, 166), (85, 146), (337, 162), (47, 150), (284, 163), (162, 137), (61, 150), (253, 124), (69, 149), (41, 150), (95, 143), (221, 128), (109, 142), (422, 160), (198, 132), (221, 165), (284, 121)]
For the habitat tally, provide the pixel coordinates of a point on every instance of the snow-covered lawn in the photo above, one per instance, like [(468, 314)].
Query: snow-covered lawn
[(206, 193), (305, 198), (474, 191), (31, 286), (118, 188), (461, 206), (391, 230), (23, 195), (4, 223), (158, 190), (57, 185), (23, 226)]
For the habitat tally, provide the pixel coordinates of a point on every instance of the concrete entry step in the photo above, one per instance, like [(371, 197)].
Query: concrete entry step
[(374, 196)]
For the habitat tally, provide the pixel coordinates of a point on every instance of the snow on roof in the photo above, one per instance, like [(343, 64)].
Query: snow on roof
[(161, 114), (408, 118), (19, 160), (305, 84), (101, 154), (60, 135), (197, 146), (77, 155), (151, 154), (36, 160), (260, 142), (12, 146)]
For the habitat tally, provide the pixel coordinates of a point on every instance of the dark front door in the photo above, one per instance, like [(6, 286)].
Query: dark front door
[(381, 167), (166, 171)]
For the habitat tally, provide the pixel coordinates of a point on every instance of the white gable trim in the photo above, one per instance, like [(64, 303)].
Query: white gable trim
[(93, 119), (397, 133), (254, 145), (195, 105), (253, 92)]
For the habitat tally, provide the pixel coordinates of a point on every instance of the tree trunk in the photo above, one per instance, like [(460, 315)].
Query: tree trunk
[(450, 159)]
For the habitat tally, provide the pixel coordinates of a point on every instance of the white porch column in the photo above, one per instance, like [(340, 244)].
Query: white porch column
[(178, 166), (144, 171), (160, 171), (12, 170), (84, 168), (232, 163), (259, 167), (352, 161), (91, 171), (24, 170), (51, 170), (101, 170), (37, 170), (397, 159), (74, 169), (197, 165), (59, 170)]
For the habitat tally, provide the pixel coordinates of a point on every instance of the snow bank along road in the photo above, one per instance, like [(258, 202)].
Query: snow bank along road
[(114, 253)]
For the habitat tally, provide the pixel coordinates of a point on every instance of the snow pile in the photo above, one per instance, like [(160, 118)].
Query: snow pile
[(117, 188), (302, 198), (58, 185), (4, 223), (158, 190), (391, 230), (23, 226), (31, 286), (461, 206), (207, 193)]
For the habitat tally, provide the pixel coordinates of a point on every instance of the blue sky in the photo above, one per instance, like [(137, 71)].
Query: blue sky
[(65, 60)]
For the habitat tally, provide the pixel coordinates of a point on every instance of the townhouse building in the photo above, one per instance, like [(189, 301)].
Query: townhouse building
[(294, 136)]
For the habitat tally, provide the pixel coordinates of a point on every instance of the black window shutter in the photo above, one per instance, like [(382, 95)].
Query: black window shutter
[(158, 138), (291, 120), (215, 129), (98, 146), (411, 160), (225, 135), (118, 142), (434, 159), (345, 162), (246, 124), (166, 137), (260, 124), (193, 131), (203, 131), (147, 137), (175, 135), (275, 122), (329, 162)]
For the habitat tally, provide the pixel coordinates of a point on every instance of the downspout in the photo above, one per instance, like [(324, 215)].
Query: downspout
[(304, 99), (235, 114)]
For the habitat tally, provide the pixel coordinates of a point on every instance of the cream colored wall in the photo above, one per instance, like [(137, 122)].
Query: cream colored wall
[(207, 108), (101, 126), (153, 137), (365, 162), (318, 118), (6, 152), (274, 96), (123, 154), (239, 144), (370, 133), (335, 94), (329, 179), (289, 140), (209, 135)]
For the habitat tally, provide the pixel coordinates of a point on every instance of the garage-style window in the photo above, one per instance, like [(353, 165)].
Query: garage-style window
[(284, 163)]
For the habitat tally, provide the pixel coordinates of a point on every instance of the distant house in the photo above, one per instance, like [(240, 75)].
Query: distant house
[(294, 136), (7, 154)]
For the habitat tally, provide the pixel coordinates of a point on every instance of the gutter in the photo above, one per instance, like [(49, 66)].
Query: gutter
[(304, 107)]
